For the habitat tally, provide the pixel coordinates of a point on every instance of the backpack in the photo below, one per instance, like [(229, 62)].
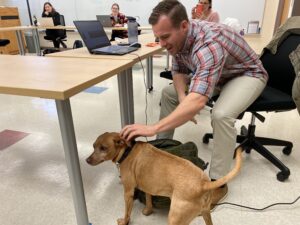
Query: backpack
[(187, 151), (77, 44)]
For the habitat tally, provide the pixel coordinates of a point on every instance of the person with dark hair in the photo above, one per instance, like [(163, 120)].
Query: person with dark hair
[(52, 34), (117, 20), (206, 13), (220, 62)]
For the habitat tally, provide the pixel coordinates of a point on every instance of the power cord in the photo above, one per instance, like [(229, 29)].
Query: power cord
[(260, 209), (146, 92)]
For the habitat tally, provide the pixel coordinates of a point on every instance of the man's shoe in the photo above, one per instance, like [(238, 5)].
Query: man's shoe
[(218, 195)]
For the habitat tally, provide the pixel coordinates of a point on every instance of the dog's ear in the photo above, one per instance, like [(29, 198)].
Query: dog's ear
[(120, 142)]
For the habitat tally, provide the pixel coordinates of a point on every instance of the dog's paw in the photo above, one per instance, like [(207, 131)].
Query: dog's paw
[(122, 221), (147, 211)]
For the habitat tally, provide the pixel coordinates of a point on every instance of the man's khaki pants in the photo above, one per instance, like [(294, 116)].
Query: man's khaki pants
[(235, 97)]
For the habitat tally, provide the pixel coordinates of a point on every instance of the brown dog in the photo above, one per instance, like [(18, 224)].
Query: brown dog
[(159, 173)]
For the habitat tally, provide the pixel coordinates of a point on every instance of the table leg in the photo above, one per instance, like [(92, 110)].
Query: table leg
[(72, 159), (36, 41), (20, 42), (150, 73), (125, 86)]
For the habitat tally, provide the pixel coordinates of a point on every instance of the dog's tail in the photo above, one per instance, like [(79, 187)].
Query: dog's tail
[(218, 183)]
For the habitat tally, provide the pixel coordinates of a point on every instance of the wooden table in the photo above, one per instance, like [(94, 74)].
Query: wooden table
[(21, 45), (143, 53), (60, 79)]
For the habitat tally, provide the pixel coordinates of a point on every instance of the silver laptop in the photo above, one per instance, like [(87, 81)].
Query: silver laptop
[(105, 20), (46, 21), (96, 40)]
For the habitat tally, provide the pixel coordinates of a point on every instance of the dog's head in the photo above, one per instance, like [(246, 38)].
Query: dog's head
[(106, 147)]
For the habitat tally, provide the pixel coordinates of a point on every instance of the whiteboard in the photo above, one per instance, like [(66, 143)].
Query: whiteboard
[(243, 10)]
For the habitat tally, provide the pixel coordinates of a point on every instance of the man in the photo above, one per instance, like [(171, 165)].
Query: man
[(220, 61)]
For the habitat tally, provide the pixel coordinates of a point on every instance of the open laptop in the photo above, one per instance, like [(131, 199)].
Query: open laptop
[(105, 20), (46, 22), (96, 40)]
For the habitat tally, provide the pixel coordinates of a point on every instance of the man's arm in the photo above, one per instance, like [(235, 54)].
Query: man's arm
[(184, 112), (180, 82)]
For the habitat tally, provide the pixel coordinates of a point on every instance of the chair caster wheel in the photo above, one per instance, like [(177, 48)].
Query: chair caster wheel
[(287, 150), (205, 139), (150, 89), (283, 175), (248, 150)]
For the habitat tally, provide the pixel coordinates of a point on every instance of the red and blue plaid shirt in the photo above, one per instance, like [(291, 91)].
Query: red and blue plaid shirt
[(215, 53)]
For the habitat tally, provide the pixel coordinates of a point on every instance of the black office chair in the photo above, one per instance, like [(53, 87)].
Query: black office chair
[(276, 97), (58, 36), (4, 42), (62, 33)]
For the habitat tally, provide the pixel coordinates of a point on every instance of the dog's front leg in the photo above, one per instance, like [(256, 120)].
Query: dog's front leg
[(148, 208), (128, 196)]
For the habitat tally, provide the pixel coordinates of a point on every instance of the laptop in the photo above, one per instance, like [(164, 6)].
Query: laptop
[(96, 40), (105, 20), (46, 22)]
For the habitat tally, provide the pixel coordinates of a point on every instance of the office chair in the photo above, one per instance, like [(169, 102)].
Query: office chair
[(4, 42), (58, 36), (276, 97)]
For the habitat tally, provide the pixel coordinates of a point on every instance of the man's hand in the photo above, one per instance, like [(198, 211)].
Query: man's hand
[(135, 130)]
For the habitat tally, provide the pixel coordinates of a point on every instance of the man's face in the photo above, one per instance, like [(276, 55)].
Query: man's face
[(170, 37)]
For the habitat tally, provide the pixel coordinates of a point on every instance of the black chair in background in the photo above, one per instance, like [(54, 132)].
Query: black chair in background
[(4, 42), (276, 97), (57, 36)]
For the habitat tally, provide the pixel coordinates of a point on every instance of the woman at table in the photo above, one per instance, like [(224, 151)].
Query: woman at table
[(207, 13), (51, 34), (117, 20)]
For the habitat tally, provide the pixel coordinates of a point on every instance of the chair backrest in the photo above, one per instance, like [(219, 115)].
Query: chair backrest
[(279, 67), (63, 32)]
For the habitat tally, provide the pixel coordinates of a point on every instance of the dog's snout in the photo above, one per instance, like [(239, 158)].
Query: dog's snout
[(88, 160)]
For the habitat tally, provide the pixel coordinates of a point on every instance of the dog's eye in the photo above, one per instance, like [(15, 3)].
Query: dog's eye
[(103, 149)]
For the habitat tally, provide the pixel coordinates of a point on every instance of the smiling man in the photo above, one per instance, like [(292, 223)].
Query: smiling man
[(220, 62)]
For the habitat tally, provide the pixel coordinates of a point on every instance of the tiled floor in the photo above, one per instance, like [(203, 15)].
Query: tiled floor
[(34, 183)]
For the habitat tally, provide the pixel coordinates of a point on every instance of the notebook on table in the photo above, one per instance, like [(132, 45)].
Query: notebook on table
[(96, 40)]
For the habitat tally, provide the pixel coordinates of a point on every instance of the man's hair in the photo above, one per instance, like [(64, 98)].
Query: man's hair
[(171, 8)]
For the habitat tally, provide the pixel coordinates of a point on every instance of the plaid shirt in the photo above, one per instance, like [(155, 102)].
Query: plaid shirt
[(214, 54)]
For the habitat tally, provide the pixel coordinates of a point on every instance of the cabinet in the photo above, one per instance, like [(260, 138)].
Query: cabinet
[(9, 17)]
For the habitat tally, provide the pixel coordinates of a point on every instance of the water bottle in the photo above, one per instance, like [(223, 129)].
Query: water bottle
[(132, 31)]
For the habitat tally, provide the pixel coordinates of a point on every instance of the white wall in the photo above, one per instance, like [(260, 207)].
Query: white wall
[(243, 10)]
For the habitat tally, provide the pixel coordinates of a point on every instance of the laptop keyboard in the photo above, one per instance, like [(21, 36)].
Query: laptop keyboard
[(116, 47)]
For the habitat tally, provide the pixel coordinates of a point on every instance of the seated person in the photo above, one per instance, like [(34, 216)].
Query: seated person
[(117, 20), (207, 13), (54, 35)]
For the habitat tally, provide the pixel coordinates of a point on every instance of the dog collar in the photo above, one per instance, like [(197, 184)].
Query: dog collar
[(126, 153)]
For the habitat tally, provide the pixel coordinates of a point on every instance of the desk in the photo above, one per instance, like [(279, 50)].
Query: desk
[(125, 28), (59, 79), (21, 45), (143, 53)]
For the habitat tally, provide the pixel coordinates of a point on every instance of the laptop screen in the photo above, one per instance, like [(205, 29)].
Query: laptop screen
[(92, 34), (105, 20)]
